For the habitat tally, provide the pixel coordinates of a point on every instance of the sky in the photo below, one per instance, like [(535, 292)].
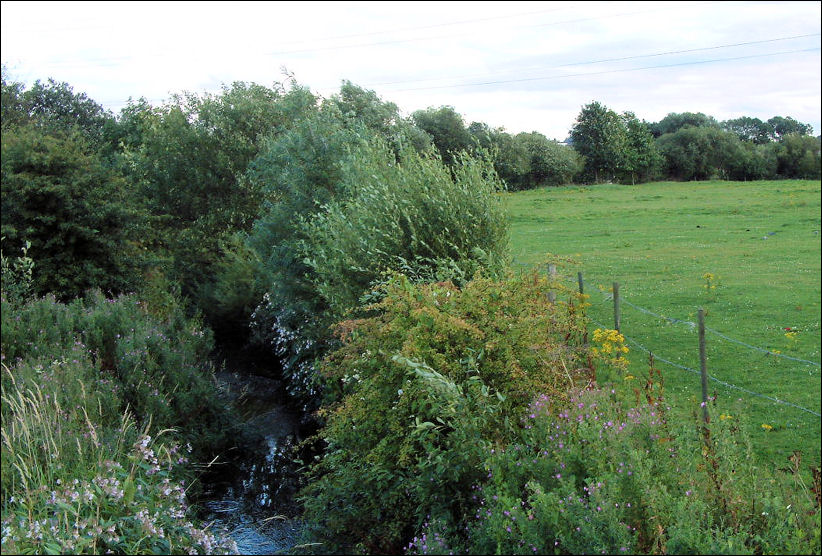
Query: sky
[(522, 66)]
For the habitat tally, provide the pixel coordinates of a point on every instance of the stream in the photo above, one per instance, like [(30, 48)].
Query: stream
[(251, 493)]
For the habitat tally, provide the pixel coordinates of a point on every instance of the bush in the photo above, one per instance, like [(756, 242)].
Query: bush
[(83, 384), (424, 391), (345, 211), (590, 476), (73, 209), (117, 345), (410, 216), (72, 485)]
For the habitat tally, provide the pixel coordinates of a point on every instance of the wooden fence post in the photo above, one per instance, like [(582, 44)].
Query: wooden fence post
[(552, 274), (703, 366), (616, 306)]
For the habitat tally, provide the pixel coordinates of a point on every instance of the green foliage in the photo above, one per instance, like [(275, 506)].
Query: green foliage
[(83, 384), (15, 275), (422, 392), (549, 163), (596, 475), (115, 345), (782, 126), (190, 159), (749, 129), (673, 122), (447, 130), (599, 135), (54, 107), (297, 171), (798, 156), (414, 216), (346, 206), (699, 153), (61, 196), (642, 161)]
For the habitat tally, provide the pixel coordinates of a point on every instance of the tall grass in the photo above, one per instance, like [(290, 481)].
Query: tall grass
[(95, 413)]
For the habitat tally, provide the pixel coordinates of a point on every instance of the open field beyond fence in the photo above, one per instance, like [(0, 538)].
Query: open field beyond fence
[(748, 253)]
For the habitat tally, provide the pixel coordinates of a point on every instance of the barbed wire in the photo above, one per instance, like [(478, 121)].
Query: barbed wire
[(609, 296), (722, 382)]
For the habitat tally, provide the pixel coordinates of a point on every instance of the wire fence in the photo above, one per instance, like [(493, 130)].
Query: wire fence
[(692, 325)]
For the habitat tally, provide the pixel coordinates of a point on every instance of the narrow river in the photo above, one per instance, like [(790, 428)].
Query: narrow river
[(251, 493)]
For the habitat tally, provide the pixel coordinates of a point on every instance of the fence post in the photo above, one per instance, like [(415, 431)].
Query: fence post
[(552, 274), (703, 365), (616, 306), (582, 308)]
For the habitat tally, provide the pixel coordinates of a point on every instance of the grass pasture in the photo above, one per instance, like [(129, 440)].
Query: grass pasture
[(760, 241)]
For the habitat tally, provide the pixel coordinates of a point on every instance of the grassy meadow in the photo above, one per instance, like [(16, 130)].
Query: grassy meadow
[(748, 253)]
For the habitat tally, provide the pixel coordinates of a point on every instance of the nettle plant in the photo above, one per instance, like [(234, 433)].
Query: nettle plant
[(422, 391)]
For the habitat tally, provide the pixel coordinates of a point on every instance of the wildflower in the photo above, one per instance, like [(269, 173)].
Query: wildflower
[(766, 427)]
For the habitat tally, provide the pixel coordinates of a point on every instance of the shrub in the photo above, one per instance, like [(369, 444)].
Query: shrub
[(592, 476), (410, 216), (73, 209), (158, 366), (83, 384), (71, 485), (424, 390), (345, 211)]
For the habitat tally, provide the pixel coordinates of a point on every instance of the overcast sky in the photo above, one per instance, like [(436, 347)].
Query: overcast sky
[(524, 66)]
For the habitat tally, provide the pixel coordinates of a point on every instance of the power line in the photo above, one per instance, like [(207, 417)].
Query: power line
[(623, 58), (526, 79), (417, 39)]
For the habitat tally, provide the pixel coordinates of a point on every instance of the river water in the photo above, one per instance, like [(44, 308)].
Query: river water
[(251, 493)]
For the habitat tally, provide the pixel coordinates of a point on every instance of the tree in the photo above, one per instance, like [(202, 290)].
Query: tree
[(364, 106), (798, 156), (673, 122), (447, 130), (511, 158), (549, 163), (60, 195), (781, 127), (700, 153), (749, 129), (55, 106), (190, 164), (642, 160), (600, 136)]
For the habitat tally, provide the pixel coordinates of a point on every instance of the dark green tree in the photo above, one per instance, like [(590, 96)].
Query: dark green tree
[(700, 153), (749, 129), (600, 136), (447, 130), (641, 161), (673, 122), (60, 195), (782, 126), (549, 163), (798, 156)]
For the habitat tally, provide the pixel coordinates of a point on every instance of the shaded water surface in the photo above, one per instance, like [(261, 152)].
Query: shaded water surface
[(251, 492)]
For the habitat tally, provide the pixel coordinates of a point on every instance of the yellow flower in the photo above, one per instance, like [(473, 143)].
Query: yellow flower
[(629, 377), (725, 417), (766, 427)]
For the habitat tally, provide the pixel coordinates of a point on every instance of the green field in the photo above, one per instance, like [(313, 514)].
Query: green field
[(760, 240)]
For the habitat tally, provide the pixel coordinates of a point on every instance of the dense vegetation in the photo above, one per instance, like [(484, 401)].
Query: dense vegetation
[(370, 253)]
